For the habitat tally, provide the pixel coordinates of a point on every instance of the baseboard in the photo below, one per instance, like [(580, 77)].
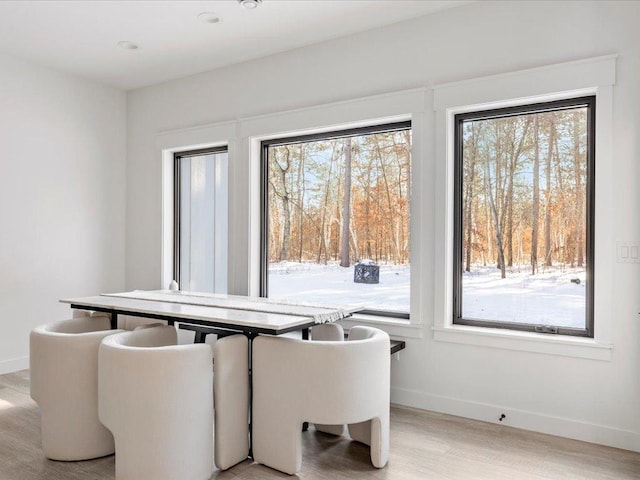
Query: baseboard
[(536, 422), (13, 365)]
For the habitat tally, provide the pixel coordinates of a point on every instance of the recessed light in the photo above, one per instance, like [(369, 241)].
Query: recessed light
[(127, 45), (250, 4), (208, 17)]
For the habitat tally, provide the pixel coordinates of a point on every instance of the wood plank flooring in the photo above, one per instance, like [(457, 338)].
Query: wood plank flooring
[(424, 445)]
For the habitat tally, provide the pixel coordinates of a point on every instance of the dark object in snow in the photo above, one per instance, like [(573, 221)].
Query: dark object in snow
[(576, 281), (366, 273)]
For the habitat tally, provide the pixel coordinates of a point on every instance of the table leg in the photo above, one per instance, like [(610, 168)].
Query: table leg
[(250, 337), (114, 320), (305, 336)]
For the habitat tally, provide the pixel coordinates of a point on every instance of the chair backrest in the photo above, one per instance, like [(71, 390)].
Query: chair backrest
[(328, 332), (362, 333), (63, 358), (75, 326), (146, 360), (63, 353), (157, 399), (231, 392), (327, 382), (152, 336)]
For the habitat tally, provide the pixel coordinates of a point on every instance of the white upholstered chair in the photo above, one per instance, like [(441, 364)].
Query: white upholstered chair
[(63, 359), (231, 398), (328, 332), (156, 397), (324, 382)]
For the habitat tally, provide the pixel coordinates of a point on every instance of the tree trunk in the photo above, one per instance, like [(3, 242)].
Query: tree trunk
[(496, 200), (322, 243), (536, 196), (407, 141), (282, 169), (488, 235), (580, 224), (494, 216), (469, 200), (392, 214), (547, 218), (367, 213), (301, 192), (346, 206)]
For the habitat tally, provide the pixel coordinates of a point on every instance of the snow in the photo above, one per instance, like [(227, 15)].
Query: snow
[(332, 284), (549, 297)]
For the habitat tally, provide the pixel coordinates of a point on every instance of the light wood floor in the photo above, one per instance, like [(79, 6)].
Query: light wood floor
[(424, 445)]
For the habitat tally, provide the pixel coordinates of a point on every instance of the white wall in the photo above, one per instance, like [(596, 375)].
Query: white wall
[(62, 197), (590, 399)]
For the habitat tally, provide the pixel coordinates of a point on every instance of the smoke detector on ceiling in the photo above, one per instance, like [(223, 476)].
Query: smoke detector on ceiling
[(250, 4)]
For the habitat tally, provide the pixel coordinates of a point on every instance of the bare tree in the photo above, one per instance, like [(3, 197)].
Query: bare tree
[(470, 164), (346, 206), (322, 240), (490, 179), (516, 149), (547, 217), (282, 163), (579, 196), (300, 206), (536, 195)]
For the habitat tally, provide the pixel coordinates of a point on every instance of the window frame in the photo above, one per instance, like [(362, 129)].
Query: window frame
[(177, 157), (264, 192), (588, 101)]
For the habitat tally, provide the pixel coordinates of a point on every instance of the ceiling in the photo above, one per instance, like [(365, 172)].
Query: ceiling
[(81, 37)]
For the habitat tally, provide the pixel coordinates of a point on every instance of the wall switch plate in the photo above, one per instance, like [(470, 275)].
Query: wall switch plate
[(628, 252)]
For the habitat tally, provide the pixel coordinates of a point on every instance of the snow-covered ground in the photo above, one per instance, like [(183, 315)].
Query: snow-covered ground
[(548, 297), (333, 285)]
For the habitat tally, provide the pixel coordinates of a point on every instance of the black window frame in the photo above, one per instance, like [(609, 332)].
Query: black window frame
[(556, 105), (177, 157), (264, 192)]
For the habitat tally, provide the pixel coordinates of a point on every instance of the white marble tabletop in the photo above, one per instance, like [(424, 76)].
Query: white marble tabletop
[(272, 322), (320, 314)]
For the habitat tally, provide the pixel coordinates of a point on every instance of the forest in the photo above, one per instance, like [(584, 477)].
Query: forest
[(524, 191), (340, 200)]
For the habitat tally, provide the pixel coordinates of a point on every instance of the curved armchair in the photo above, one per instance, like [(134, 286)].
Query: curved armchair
[(324, 382), (156, 397), (231, 398), (328, 332), (63, 359)]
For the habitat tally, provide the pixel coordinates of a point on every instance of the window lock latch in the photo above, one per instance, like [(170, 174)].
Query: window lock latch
[(546, 329)]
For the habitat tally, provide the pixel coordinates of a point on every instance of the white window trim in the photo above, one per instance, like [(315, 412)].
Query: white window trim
[(243, 137), (374, 110), (554, 82), (167, 144)]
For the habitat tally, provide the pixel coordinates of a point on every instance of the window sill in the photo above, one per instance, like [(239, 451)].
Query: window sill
[(395, 327), (525, 341)]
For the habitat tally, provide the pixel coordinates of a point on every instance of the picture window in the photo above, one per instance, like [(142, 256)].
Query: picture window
[(523, 231)]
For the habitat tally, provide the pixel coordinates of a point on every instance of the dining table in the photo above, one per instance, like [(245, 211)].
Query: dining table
[(249, 315), (218, 314)]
